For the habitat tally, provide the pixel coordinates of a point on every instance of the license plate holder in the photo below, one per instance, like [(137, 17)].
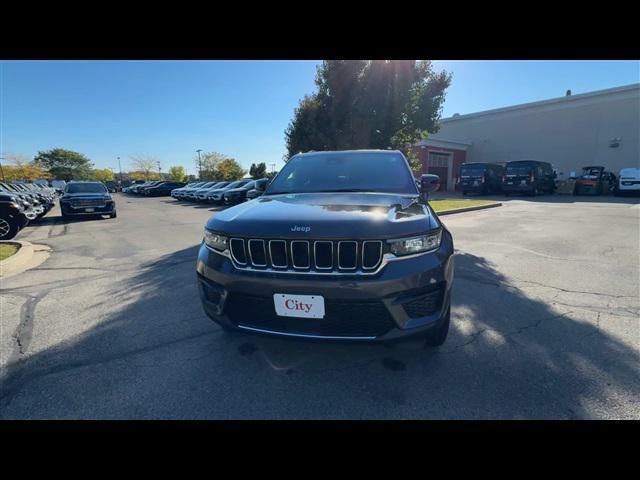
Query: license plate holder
[(301, 306)]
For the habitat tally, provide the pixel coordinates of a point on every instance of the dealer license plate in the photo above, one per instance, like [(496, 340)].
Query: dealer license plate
[(303, 306)]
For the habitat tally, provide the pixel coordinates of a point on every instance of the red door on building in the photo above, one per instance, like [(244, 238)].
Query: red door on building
[(438, 164)]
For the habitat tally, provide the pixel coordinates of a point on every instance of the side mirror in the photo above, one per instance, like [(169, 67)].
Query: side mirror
[(428, 183), (261, 187)]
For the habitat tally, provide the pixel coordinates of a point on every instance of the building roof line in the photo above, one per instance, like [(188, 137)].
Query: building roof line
[(522, 106)]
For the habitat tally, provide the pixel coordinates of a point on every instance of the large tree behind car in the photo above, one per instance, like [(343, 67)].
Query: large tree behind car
[(368, 104), (64, 164), (229, 169)]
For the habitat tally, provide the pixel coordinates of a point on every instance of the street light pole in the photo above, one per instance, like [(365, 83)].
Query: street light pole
[(199, 165), (159, 170), (120, 168)]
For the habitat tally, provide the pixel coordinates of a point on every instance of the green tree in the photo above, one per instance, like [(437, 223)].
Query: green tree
[(177, 173), (368, 104), (64, 164), (229, 169), (209, 162), (103, 175), (258, 171)]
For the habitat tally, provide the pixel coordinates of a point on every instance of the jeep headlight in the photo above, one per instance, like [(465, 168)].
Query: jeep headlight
[(215, 241), (423, 243)]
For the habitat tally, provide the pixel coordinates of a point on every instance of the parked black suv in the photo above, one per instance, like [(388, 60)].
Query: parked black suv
[(239, 195), (162, 189), (13, 214), (482, 178), (341, 246), (86, 198), (528, 176)]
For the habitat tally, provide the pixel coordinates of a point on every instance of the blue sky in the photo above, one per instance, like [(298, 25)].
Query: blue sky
[(107, 109)]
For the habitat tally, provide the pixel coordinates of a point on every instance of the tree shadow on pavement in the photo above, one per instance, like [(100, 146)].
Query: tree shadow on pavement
[(156, 355)]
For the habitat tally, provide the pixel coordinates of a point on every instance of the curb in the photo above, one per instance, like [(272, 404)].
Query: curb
[(20, 260), (468, 209)]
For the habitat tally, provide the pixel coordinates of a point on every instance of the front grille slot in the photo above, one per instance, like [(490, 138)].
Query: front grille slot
[(300, 254), (257, 253), (347, 255), (371, 254), (278, 253), (322, 256), (237, 251)]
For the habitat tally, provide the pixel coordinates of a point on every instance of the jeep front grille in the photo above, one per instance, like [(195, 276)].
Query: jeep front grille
[(323, 256)]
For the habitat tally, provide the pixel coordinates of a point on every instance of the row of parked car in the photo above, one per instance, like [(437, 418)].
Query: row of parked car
[(533, 177), (214, 192), (21, 203)]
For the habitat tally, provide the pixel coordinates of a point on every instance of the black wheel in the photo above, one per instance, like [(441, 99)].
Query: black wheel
[(438, 336), (113, 215), (9, 228), (534, 192)]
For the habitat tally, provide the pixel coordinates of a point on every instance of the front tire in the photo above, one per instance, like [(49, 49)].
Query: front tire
[(113, 215), (9, 228), (438, 336)]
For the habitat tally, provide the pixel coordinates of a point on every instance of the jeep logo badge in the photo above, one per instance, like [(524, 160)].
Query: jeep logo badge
[(296, 228)]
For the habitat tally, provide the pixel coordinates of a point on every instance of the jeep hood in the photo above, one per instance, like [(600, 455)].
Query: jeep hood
[(326, 215)]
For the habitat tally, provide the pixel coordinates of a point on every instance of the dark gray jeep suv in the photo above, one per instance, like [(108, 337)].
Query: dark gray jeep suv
[(341, 245)]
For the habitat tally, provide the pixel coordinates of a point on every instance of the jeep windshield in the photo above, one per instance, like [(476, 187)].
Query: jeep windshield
[(86, 188), (344, 172)]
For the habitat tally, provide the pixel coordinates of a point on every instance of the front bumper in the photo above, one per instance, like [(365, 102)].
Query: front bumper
[(629, 186), (517, 188), (67, 210), (409, 296)]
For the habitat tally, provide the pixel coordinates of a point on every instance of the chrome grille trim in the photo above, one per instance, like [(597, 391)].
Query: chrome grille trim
[(243, 249), (355, 266), (315, 256), (286, 264), (379, 254), (243, 246), (253, 262), (293, 262)]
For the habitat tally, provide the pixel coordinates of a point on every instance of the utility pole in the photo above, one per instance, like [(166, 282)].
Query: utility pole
[(199, 165), (159, 170), (1, 170), (273, 167)]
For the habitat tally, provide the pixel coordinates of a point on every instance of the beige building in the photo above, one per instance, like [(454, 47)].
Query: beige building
[(595, 128)]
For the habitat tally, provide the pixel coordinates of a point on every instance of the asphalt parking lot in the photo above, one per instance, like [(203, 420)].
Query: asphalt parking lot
[(545, 325)]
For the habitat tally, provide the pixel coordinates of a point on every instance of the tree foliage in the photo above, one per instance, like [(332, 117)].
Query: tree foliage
[(229, 169), (21, 168), (141, 175), (368, 104), (146, 164), (177, 173), (209, 162), (103, 175), (64, 164), (258, 171)]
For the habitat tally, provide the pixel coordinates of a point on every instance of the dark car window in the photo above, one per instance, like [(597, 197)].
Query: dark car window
[(472, 170), (236, 184), (345, 171), (85, 188), (519, 168)]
